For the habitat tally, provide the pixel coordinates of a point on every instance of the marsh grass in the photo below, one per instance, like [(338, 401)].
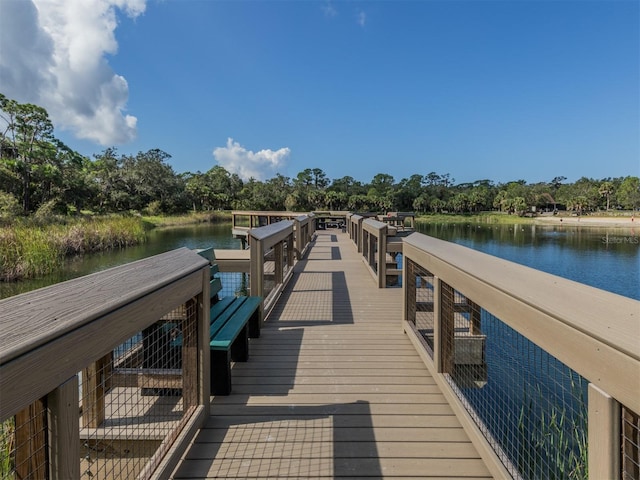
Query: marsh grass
[(7, 439), (492, 218), (189, 219), (30, 248), (553, 439)]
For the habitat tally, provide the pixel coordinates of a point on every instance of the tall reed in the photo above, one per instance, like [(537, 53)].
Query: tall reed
[(30, 248)]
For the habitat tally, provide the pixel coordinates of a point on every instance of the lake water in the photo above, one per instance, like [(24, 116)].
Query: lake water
[(603, 258)]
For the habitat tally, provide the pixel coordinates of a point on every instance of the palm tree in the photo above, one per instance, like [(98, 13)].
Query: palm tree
[(606, 190)]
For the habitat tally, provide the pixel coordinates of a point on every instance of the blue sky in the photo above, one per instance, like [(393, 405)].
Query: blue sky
[(482, 89)]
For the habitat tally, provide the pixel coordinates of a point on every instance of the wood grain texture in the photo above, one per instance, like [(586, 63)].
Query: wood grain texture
[(35, 318)]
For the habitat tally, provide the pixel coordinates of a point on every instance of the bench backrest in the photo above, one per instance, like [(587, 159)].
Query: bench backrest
[(216, 284)]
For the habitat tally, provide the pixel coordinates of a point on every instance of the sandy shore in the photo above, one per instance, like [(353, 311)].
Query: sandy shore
[(588, 221)]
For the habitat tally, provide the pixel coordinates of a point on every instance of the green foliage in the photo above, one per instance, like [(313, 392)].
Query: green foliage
[(9, 206), (31, 248), (628, 194), (553, 440), (7, 447)]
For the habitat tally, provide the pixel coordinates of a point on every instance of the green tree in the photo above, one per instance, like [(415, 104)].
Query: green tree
[(606, 190), (27, 149), (628, 194), (108, 181), (407, 191)]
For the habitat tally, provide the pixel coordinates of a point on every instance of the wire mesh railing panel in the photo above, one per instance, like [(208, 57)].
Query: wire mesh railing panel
[(24, 445), (531, 407), (420, 302), (234, 284), (373, 253), (133, 399), (269, 278), (630, 442), (285, 258)]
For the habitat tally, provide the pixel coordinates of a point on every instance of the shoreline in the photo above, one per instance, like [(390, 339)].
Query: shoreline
[(587, 221)]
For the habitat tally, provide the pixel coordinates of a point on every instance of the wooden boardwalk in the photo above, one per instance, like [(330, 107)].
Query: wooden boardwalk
[(333, 389)]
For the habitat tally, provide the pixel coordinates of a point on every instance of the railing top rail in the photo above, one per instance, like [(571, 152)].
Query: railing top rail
[(355, 217), (264, 213), (333, 213), (371, 225), (607, 317), (272, 234), (32, 319)]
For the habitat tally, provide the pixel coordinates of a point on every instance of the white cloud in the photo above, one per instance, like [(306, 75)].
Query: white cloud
[(328, 9), (53, 54), (259, 165), (361, 18)]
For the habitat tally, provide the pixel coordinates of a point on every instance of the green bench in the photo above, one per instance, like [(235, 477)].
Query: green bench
[(233, 320)]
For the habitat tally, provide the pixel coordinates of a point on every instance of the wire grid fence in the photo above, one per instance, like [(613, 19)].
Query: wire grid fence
[(133, 401), (234, 284), (285, 258), (630, 461), (531, 408), (370, 249), (420, 302), (269, 278), (23, 444)]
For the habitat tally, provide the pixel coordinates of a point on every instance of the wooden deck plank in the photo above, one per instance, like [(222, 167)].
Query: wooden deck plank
[(456, 450), (333, 389)]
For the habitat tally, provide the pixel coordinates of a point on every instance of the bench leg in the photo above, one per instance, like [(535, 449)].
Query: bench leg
[(220, 372), (240, 346), (254, 324)]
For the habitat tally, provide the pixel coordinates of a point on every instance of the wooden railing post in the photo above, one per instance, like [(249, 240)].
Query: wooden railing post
[(93, 393), (31, 441), (382, 257), (604, 434), (256, 268), (437, 326), (278, 260), (190, 345), (291, 251), (64, 430)]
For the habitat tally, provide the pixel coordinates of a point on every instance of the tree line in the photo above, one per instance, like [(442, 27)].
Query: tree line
[(39, 174)]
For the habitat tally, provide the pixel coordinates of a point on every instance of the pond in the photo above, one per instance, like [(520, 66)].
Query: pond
[(605, 258)]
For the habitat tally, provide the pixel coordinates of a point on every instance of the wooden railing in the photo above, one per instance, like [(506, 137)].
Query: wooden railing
[(354, 228), (272, 259), (514, 349), (304, 228), (374, 249), (378, 247), (86, 369)]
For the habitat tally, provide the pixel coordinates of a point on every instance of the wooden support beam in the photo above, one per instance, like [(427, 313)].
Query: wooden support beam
[(31, 441), (64, 430), (93, 393), (604, 434)]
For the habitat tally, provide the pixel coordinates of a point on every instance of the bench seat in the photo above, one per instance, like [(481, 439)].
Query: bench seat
[(235, 321)]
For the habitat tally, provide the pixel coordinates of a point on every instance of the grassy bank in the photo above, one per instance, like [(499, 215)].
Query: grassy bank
[(31, 248), (489, 217), (177, 220)]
